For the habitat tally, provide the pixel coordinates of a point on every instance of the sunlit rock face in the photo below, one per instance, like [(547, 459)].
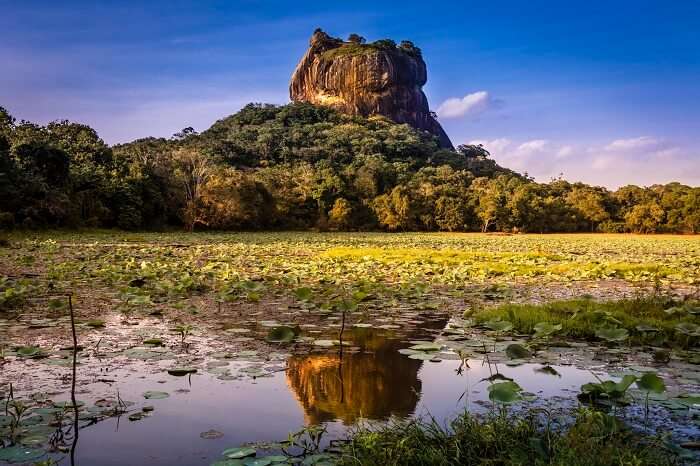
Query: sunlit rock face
[(365, 79), (374, 384)]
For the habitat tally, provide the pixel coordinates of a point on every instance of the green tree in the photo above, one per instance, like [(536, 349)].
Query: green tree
[(590, 204), (492, 196), (80, 142), (451, 214), (394, 210), (193, 169), (386, 44), (645, 218), (691, 211), (340, 216), (356, 39), (410, 48)]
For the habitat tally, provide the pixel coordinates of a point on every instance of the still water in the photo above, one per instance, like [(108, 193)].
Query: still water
[(373, 383)]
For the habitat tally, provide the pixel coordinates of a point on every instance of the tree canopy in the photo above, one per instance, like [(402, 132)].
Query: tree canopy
[(301, 166)]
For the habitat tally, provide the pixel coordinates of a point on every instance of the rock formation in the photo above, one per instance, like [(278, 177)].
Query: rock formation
[(380, 78)]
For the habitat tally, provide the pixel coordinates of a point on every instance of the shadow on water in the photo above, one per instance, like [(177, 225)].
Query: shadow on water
[(373, 382)]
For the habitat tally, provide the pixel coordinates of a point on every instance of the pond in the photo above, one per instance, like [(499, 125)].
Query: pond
[(247, 396)]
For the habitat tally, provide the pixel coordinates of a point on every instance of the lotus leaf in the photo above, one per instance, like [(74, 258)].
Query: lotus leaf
[(505, 392), (20, 454), (612, 333), (545, 329), (516, 351), (155, 395), (650, 382), (498, 325), (427, 347), (282, 334), (240, 452), (180, 371), (688, 328)]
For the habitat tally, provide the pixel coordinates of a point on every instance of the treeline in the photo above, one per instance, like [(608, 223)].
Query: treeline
[(300, 166)]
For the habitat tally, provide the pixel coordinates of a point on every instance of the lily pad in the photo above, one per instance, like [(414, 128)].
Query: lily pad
[(20, 454), (181, 371), (498, 325), (516, 351), (147, 353), (426, 347), (688, 328), (240, 452), (326, 343), (689, 399), (545, 329), (612, 333), (155, 395), (211, 434), (676, 311), (96, 323), (282, 334), (258, 462), (646, 328), (505, 392), (548, 370), (68, 404), (424, 356), (303, 294), (650, 382), (30, 352), (277, 458)]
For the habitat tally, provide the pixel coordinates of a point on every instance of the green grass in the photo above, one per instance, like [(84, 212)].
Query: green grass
[(595, 439), (580, 318), (349, 50)]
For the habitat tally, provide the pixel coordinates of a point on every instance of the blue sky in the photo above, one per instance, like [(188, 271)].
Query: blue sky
[(603, 92)]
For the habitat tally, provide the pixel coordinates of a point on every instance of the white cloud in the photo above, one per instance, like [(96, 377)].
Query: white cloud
[(497, 146), (471, 104), (641, 161), (642, 143), (532, 147), (602, 162), (666, 153), (564, 152)]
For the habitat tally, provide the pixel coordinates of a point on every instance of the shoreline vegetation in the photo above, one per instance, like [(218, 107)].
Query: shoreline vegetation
[(533, 437), (303, 167)]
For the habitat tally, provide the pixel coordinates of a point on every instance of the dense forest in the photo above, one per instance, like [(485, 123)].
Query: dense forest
[(300, 166)]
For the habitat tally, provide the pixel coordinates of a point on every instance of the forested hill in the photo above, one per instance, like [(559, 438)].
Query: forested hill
[(302, 166)]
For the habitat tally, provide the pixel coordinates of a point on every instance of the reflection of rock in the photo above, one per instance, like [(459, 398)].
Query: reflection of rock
[(374, 384)]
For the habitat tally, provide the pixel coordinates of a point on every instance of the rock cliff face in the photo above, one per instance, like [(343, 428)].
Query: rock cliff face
[(366, 79)]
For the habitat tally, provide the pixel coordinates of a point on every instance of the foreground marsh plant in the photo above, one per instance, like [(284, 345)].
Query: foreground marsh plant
[(593, 439)]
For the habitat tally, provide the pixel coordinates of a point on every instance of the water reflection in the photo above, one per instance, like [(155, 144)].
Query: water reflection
[(373, 383)]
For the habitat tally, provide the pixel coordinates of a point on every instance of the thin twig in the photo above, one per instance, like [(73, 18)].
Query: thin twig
[(73, 383)]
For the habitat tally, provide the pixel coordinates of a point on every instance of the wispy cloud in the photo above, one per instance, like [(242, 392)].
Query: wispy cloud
[(641, 160), (564, 152), (470, 105), (634, 144), (532, 147)]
